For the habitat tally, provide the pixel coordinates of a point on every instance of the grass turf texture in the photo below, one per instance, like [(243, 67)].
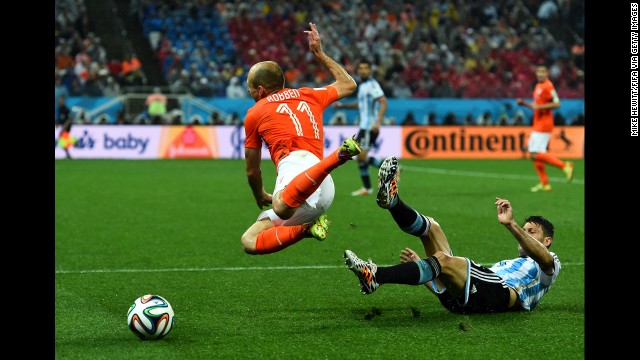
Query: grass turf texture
[(172, 227)]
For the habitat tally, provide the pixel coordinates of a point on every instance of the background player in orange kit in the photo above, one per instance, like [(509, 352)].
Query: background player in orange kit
[(545, 99), (289, 121)]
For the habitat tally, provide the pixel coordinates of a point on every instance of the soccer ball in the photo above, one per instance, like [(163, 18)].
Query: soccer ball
[(150, 317)]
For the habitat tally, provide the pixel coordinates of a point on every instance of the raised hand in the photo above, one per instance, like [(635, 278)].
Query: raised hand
[(315, 45), (505, 211)]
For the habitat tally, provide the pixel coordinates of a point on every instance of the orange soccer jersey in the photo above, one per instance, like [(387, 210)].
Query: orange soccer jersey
[(543, 93), (289, 120)]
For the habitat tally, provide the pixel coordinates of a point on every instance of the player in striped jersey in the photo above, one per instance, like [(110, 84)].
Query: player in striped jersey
[(372, 107), (461, 285)]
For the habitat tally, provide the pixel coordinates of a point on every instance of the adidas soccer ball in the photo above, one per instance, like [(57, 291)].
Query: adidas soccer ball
[(150, 317)]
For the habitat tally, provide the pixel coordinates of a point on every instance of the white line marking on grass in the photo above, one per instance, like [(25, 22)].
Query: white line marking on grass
[(250, 268), (486, 175)]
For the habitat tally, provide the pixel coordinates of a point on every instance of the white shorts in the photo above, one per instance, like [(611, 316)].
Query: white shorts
[(538, 142), (288, 168)]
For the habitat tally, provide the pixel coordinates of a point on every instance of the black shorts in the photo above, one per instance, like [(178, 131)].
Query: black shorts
[(485, 292), (367, 139)]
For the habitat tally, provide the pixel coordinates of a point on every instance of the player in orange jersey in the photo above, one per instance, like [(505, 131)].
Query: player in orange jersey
[(289, 121), (545, 99)]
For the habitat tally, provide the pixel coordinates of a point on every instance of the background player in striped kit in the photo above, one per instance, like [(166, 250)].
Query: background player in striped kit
[(461, 285), (372, 107)]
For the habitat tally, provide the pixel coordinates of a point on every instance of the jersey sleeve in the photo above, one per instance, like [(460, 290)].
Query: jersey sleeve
[(252, 138), (546, 279), (326, 95), (550, 93), (376, 90)]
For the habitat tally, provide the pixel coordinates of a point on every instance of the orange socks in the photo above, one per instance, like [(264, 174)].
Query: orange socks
[(542, 172), (308, 181), (279, 237), (550, 159)]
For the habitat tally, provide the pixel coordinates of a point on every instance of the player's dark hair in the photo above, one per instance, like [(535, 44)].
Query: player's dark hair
[(547, 226), (365, 61)]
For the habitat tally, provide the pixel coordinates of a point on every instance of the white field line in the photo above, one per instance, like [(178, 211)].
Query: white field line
[(487, 175), (410, 168), (249, 268)]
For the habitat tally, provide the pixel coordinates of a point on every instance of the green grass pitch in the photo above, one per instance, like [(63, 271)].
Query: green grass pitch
[(172, 227)]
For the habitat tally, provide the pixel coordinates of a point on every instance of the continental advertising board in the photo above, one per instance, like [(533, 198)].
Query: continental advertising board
[(227, 142), (485, 142)]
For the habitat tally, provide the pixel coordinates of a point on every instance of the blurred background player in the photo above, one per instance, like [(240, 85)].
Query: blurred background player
[(65, 139), (545, 99), (372, 107), (290, 122)]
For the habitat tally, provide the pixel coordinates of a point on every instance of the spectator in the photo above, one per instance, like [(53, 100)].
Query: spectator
[(443, 89), (132, 71), (450, 119), (195, 120), (547, 11), (215, 119), (558, 119), (121, 117), (202, 88), (494, 37), (484, 119), (157, 106), (60, 90), (110, 87), (409, 119), (468, 120), (82, 117), (235, 90), (64, 60), (518, 118), (423, 90), (235, 120), (175, 117), (578, 120), (400, 89), (75, 89), (431, 119), (338, 119)]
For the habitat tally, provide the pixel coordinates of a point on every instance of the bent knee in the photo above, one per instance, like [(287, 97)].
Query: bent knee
[(248, 244), (434, 226), (451, 265)]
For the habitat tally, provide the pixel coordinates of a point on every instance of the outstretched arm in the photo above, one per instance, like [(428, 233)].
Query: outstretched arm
[(534, 106), (381, 113), (553, 104), (339, 105), (532, 247), (344, 82)]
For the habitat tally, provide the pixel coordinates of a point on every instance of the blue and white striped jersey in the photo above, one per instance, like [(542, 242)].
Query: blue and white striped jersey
[(368, 91), (525, 276)]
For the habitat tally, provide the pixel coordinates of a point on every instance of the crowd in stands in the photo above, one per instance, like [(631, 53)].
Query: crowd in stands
[(420, 49), (82, 65)]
